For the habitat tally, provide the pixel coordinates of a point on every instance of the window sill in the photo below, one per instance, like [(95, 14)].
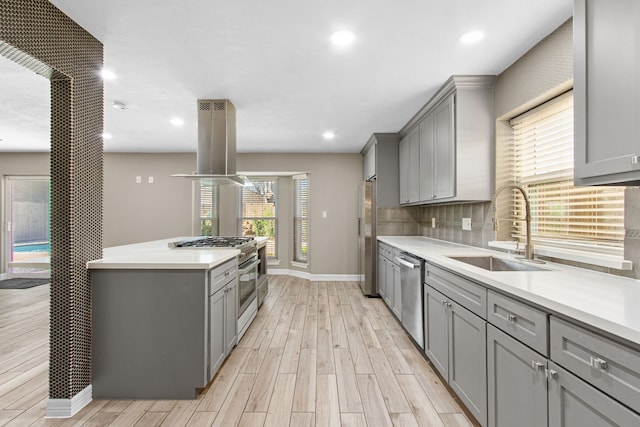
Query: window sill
[(603, 260), (299, 264)]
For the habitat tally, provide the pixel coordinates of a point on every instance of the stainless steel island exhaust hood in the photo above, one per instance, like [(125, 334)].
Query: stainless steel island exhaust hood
[(217, 143)]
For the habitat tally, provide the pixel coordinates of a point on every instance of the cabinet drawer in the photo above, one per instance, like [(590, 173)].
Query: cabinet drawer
[(385, 250), (606, 364), (522, 322), (470, 295), (221, 275)]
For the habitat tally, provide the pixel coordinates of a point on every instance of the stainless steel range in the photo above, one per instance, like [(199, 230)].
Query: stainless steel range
[(248, 263)]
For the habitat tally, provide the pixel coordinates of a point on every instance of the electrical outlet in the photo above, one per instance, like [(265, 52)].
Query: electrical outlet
[(433, 223), (466, 224), (138, 179), (150, 180)]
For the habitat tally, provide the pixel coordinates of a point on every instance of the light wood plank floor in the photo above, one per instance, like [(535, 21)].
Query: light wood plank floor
[(318, 354)]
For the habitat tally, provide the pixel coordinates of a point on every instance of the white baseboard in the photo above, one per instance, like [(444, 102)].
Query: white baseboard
[(67, 408), (315, 277)]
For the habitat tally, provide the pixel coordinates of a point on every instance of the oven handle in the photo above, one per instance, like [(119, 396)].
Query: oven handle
[(246, 269)]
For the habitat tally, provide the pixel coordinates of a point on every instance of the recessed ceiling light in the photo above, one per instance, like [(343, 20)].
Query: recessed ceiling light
[(106, 135), (176, 121), (107, 74), (328, 135), (119, 105), (342, 38), (471, 37)]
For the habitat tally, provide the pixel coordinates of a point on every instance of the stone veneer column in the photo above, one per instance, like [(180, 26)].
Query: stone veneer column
[(37, 35)]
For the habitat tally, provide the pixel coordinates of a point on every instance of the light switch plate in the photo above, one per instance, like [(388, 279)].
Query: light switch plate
[(466, 224)]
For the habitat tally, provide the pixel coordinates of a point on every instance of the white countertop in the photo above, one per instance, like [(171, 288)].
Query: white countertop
[(604, 301), (157, 255)]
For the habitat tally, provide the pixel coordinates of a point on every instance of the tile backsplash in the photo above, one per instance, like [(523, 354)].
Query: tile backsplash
[(418, 220)]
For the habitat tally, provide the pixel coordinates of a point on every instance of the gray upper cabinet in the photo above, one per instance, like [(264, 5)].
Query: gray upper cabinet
[(447, 157), (437, 150), (606, 93), (380, 157), (409, 168)]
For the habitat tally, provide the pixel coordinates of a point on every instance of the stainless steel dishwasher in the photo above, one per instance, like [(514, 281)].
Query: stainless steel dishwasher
[(412, 276)]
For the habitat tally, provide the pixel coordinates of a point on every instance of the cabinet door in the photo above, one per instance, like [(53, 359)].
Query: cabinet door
[(413, 176), (436, 344), (217, 330), (574, 403), (606, 97), (388, 278), (468, 359), (444, 149), (370, 163), (403, 169), (231, 316), (427, 166), (382, 279), (517, 385), (397, 290)]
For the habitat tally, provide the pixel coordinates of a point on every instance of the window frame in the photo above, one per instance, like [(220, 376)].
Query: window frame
[(300, 215), (215, 214), (513, 208), (275, 219)]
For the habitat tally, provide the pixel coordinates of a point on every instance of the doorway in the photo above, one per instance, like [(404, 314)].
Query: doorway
[(27, 229)]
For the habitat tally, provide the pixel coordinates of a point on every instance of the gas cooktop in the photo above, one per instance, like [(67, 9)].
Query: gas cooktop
[(211, 242)]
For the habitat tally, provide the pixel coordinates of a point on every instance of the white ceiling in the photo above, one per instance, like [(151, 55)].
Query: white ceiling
[(273, 60)]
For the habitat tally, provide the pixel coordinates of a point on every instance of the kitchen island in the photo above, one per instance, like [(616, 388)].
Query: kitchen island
[(153, 325)]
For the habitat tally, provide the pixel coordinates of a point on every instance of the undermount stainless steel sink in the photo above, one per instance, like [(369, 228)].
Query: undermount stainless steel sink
[(491, 263)]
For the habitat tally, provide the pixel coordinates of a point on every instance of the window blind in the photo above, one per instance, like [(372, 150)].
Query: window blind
[(540, 157), (208, 209), (301, 218), (259, 213)]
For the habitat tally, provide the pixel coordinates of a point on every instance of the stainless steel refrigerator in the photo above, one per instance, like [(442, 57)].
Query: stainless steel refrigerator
[(367, 237)]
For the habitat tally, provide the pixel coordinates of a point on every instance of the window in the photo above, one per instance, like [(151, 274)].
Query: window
[(259, 213), (208, 208), (301, 218), (539, 156)]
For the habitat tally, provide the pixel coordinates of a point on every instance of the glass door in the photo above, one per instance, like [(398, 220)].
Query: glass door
[(27, 233)]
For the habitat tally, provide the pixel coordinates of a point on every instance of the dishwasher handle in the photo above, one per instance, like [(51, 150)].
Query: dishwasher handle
[(406, 263)]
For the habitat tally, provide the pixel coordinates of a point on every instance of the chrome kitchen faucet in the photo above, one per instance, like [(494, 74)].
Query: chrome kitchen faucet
[(528, 251)]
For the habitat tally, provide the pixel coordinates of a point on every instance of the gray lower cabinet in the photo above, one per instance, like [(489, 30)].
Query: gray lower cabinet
[(517, 384), (381, 278), (231, 316), (389, 285), (574, 403), (456, 343), (397, 290), (217, 344), (223, 324)]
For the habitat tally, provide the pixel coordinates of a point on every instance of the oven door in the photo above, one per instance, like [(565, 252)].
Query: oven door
[(247, 285)]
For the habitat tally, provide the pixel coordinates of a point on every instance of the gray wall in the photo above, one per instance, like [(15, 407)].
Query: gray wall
[(542, 73), (334, 180), (141, 212)]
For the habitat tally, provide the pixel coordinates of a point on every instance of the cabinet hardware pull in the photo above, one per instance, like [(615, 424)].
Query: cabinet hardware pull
[(551, 373), (512, 317), (448, 305), (444, 302), (537, 365), (598, 363), (635, 159)]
